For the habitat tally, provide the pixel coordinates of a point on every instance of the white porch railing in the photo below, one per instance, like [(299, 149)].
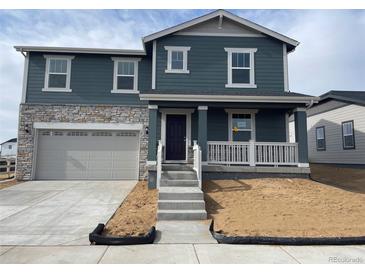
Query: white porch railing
[(253, 153), (159, 164), (276, 153), (197, 166), (228, 152)]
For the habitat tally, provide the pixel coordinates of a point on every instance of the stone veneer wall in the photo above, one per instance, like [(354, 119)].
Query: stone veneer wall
[(30, 113)]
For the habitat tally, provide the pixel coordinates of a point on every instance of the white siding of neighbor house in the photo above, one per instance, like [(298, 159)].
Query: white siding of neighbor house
[(332, 121), (6, 151)]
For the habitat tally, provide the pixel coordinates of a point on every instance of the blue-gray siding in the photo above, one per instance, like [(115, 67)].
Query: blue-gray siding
[(91, 81), (207, 62), (270, 125)]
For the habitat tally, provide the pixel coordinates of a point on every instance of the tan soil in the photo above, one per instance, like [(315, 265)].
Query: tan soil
[(8, 184), (284, 207), (136, 215), (351, 179)]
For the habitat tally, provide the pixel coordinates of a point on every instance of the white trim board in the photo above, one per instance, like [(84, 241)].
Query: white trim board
[(79, 50), (229, 98), (154, 46), (25, 78), (285, 65), (87, 126), (218, 34)]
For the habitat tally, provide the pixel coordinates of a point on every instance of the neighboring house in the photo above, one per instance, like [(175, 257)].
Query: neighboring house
[(336, 128), (218, 79), (8, 148)]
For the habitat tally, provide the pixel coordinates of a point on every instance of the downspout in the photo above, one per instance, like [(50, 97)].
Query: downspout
[(310, 104)]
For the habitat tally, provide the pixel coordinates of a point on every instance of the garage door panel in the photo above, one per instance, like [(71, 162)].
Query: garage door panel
[(87, 156), (127, 174)]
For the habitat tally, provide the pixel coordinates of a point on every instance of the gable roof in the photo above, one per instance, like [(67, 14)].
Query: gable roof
[(222, 14), (13, 140), (356, 97)]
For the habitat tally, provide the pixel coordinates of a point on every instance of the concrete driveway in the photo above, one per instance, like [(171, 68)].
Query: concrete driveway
[(57, 212)]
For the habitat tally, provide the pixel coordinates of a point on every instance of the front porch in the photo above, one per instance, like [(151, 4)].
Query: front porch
[(229, 139)]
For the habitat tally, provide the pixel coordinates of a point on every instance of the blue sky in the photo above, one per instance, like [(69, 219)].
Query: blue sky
[(331, 54)]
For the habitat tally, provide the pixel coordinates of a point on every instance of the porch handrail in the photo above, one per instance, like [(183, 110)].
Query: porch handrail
[(197, 164), (252, 153), (159, 164)]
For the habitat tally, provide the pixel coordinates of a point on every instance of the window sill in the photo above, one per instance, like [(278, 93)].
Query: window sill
[(177, 71), (125, 91), (56, 89), (241, 86)]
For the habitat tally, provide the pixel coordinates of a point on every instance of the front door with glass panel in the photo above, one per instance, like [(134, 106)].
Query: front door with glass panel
[(241, 127)]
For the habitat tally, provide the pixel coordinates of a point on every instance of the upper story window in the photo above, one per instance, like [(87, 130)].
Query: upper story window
[(320, 138), (348, 136), (10, 147), (58, 73), (125, 78), (241, 67), (177, 59)]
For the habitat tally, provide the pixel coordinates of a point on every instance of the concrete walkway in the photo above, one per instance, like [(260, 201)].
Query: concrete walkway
[(183, 232), (182, 253), (57, 212)]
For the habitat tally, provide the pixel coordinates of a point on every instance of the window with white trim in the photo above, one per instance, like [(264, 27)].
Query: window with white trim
[(241, 124), (125, 79), (348, 136), (320, 138), (177, 59), (241, 67), (58, 73)]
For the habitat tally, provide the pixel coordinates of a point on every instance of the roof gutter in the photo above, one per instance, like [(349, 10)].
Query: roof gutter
[(23, 49)]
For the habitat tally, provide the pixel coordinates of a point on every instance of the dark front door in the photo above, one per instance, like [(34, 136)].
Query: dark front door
[(175, 137)]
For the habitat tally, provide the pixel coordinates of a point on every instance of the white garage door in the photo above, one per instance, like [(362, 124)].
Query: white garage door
[(87, 154)]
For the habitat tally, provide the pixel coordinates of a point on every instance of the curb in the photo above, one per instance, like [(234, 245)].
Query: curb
[(97, 238), (266, 240)]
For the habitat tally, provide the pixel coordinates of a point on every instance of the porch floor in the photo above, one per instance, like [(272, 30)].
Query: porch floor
[(256, 169)]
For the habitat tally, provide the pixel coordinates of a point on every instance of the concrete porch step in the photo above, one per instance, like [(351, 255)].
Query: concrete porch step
[(181, 214), (177, 167), (181, 204), (180, 193), (180, 183), (178, 175)]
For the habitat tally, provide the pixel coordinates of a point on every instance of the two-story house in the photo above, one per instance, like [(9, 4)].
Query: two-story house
[(218, 81)]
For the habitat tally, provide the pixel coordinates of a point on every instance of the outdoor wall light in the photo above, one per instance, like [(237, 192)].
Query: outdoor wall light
[(27, 129), (146, 130)]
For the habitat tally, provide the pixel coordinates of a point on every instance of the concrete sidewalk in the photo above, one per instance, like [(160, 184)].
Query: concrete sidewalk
[(182, 253)]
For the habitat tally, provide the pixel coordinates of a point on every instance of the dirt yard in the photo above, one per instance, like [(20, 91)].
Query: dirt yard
[(8, 183), (351, 179), (284, 207), (137, 213)]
